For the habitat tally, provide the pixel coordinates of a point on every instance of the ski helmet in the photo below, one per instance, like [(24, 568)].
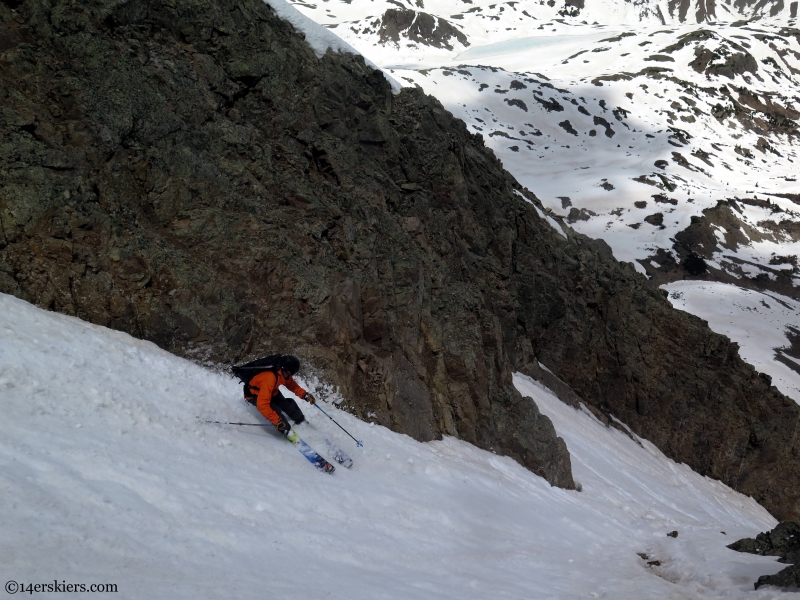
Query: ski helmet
[(290, 363)]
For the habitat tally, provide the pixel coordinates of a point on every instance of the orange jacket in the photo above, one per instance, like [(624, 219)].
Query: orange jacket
[(266, 386)]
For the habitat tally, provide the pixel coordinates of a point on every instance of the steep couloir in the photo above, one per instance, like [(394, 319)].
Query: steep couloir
[(191, 173)]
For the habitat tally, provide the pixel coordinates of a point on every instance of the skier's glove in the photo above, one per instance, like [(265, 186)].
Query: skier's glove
[(282, 427), (309, 398)]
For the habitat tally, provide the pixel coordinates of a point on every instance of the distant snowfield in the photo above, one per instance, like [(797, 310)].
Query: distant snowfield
[(526, 44), (754, 320), (615, 151), (107, 476)]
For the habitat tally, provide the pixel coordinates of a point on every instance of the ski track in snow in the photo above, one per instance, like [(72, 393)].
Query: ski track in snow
[(107, 475)]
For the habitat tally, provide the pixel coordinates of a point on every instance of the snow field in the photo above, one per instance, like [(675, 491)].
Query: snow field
[(106, 475), (754, 320)]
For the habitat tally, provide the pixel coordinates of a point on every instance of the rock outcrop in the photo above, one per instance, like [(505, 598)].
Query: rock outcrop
[(419, 27), (189, 172), (698, 243), (783, 541)]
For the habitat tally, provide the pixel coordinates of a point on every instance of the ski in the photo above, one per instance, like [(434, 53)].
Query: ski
[(338, 454), (307, 451)]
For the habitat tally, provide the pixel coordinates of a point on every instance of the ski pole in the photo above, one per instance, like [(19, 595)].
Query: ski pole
[(251, 424), (359, 443)]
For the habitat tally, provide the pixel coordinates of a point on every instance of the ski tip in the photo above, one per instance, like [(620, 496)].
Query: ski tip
[(328, 468)]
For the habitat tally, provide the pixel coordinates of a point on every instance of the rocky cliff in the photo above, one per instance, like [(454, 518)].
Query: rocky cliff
[(189, 172), (782, 541)]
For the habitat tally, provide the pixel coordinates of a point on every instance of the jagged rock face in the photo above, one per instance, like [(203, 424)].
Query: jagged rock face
[(419, 27), (195, 176), (192, 174), (783, 541)]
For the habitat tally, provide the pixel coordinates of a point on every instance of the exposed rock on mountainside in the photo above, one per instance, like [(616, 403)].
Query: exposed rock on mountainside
[(399, 27), (783, 541), (419, 27), (718, 234), (789, 355), (692, 11), (192, 174)]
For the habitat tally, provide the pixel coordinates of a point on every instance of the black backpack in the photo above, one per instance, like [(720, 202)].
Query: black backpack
[(247, 371)]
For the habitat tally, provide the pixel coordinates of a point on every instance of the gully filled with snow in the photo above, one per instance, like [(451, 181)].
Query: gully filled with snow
[(108, 474)]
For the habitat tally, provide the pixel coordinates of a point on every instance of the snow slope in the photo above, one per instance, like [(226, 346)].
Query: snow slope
[(107, 476), (756, 321)]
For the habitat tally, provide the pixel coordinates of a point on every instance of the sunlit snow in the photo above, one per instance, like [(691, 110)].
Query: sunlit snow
[(108, 475), (756, 321)]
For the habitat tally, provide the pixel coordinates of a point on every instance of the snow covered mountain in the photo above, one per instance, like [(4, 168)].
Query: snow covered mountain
[(443, 24), (676, 145), (112, 474), (455, 24), (670, 12), (216, 188), (109, 476)]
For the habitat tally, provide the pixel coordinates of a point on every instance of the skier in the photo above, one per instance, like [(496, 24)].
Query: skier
[(267, 397)]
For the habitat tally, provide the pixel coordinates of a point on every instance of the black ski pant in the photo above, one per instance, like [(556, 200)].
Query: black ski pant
[(286, 407)]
